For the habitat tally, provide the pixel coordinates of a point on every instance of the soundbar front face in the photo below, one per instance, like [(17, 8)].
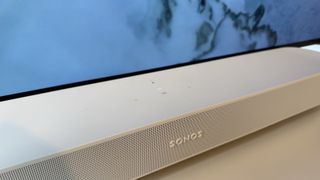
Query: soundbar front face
[(127, 128)]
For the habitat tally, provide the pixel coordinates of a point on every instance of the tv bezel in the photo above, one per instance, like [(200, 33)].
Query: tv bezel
[(126, 75)]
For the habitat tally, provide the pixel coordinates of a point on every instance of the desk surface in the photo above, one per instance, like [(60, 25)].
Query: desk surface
[(289, 150)]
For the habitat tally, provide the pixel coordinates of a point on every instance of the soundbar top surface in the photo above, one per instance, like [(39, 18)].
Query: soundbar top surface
[(313, 47), (42, 125)]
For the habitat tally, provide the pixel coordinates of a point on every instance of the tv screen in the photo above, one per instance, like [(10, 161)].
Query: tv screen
[(53, 43)]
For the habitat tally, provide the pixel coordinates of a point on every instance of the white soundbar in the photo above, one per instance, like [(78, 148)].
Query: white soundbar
[(130, 127)]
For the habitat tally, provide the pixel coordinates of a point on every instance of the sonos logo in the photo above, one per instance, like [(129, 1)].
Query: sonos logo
[(184, 139)]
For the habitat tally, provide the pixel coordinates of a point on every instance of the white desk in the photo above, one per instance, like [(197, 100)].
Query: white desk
[(289, 150)]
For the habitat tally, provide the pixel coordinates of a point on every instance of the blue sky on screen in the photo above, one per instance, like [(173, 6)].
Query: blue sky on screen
[(48, 43)]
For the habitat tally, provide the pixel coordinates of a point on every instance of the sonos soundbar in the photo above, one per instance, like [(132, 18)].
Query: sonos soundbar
[(130, 127)]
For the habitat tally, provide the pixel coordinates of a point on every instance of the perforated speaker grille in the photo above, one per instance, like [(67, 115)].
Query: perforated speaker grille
[(143, 151)]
